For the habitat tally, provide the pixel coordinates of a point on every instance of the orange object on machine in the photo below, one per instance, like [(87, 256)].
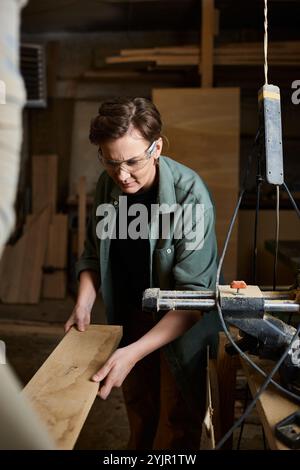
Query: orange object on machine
[(238, 285)]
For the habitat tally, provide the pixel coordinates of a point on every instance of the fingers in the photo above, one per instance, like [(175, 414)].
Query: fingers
[(81, 325), (105, 373), (102, 373), (68, 325), (105, 390)]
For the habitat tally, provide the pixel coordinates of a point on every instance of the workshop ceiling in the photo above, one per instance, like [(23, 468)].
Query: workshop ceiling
[(44, 16)]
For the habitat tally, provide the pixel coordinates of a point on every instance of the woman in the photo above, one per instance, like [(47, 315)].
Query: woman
[(161, 360)]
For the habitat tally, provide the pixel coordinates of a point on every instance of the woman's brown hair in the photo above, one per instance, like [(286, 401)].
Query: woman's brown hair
[(117, 115)]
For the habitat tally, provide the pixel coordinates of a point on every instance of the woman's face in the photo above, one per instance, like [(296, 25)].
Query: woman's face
[(140, 171)]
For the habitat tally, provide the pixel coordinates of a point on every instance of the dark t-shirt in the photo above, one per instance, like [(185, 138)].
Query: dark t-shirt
[(130, 259)]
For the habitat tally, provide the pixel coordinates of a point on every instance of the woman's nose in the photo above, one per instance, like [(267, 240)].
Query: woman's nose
[(122, 173)]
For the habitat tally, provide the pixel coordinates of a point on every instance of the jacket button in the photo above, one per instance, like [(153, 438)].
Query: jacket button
[(115, 203), (169, 251)]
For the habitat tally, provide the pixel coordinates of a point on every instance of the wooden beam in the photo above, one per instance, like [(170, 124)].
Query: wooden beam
[(81, 213), (61, 391), (21, 273), (271, 406), (226, 370), (202, 126), (44, 182), (230, 54), (54, 283), (207, 43)]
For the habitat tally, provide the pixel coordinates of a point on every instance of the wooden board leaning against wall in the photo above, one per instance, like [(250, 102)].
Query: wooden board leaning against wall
[(203, 129)]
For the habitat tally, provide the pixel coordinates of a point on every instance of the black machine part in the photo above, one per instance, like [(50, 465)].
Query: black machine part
[(262, 334), (288, 431)]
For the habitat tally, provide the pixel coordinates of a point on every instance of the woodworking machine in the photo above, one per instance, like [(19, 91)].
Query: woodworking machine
[(249, 309)]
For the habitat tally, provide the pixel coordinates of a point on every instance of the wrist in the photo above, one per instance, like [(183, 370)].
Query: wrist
[(136, 351), (86, 306), (141, 348)]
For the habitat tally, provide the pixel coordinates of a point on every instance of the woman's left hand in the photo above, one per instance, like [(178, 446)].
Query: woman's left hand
[(115, 370)]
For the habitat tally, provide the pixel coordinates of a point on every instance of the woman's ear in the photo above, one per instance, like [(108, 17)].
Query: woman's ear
[(158, 147)]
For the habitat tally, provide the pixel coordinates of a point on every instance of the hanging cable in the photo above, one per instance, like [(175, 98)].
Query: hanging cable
[(259, 181), (266, 42), (276, 239), (224, 326), (269, 376), (242, 191), (258, 393), (292, 199)]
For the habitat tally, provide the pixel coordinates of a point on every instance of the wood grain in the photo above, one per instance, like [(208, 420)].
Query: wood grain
[(61, 391), (283, 54), (226, 372), (44, 182), (21, 275), (272, 407), (206, 61), (54, 283), (203, 128)]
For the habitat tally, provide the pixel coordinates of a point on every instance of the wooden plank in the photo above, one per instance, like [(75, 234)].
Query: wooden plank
[(81, 213), (54, 283), (174, 60), (44, 182), (215, 399), (206, 61), (202, 126), (208, 437), (61, 391), (124, 60), (170, 50), (226, 372), (246, 58), (56, 255), (280, 53), (23, 274), (84, 159), (272, 407)]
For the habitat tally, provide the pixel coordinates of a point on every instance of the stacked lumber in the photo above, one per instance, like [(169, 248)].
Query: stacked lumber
[(21, 264), (36, 264), (248, 53), (55, 276), (44, 191)]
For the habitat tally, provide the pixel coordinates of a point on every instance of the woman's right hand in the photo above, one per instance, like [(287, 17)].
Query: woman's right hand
[(81, 317)]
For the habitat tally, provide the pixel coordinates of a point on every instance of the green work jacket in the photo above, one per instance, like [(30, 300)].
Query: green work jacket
[(171, 265)]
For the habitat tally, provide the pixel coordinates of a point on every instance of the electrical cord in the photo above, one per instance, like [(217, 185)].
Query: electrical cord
[(266, 41), (225, 329), (258, 393), (242, 191), (276, 239), (259, 181), (292, 199), (227, 332)]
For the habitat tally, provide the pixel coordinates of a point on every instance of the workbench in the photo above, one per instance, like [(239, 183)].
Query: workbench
[(272, 406)]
